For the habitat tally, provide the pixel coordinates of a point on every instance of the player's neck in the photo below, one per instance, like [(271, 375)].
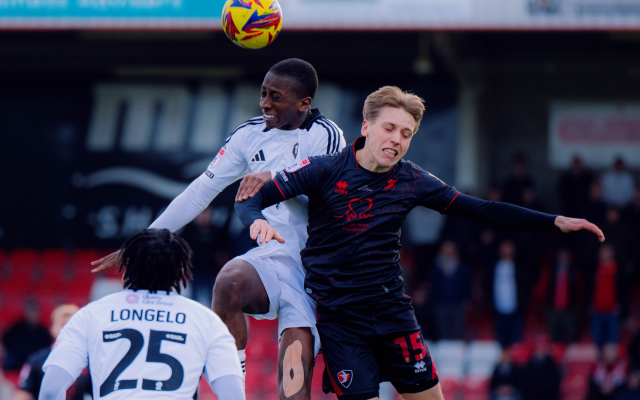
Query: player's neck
[(297, 121), (368, 162)]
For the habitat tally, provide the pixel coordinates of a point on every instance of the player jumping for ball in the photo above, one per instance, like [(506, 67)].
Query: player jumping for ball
[(358, 200), (146, 342), (266, 282)]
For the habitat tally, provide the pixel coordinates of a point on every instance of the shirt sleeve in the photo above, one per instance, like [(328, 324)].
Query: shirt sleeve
[(228, 166), (499, 215), (55, 383), (303, 177), (70, 351), (432, 192), (184, 208), (332, 142), (229, 388), (222, 357)]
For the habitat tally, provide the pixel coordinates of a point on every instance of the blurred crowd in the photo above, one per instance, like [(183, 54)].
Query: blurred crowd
[(543, 289), (540, 288)]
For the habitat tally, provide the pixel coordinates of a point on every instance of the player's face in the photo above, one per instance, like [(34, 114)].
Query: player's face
[(282, 107), (388, 137)]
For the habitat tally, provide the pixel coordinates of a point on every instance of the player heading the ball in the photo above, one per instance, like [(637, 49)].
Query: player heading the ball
[(147, 342)]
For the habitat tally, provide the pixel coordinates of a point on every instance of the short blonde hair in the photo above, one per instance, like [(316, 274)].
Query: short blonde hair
[(393, 96)]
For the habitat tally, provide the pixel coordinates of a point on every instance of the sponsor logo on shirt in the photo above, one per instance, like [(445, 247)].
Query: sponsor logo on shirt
[(132, 299), (155, 299), (342, 187), (420, 366), (391, 185), (357, 203), (298, 165), (209, 174), (345, 377)]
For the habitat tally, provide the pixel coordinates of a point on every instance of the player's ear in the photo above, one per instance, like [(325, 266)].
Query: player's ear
[(365, 128), (304, 104)]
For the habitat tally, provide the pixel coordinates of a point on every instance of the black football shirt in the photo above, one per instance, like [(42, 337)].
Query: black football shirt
[(355, 217)]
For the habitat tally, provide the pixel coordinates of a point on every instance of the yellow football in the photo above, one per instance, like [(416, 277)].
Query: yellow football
[(252, 24)]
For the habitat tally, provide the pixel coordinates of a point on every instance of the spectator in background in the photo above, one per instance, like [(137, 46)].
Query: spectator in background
[(24, 338), (622, 237), (505, 381), (632, 216), (541, 376), (632, 390), (609, 375), (518, 179), (634, 350), (595, 206), (618, 185), (506, 285), (562, 298), (573, 189), (31, 374), (451, 287), (604, 300)]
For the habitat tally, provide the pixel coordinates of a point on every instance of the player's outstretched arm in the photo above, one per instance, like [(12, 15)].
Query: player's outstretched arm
[(182, 210), (507, 216)]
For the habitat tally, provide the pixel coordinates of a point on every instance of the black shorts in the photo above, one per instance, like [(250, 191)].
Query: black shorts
[(366, 345)]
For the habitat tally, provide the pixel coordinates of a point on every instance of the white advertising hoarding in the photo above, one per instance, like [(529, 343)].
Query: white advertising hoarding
[(597, 132)]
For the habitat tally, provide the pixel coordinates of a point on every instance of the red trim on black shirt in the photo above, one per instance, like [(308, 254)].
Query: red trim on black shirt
[(285, 197), (354, 152), (446, 208)]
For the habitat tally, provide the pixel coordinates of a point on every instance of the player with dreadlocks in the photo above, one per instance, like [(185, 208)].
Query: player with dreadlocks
[(171, 264), (132, 339)]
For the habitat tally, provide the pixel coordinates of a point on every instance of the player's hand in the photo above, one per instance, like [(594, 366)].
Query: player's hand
[(261, 230), (251, 184), (112, 260), (567, 225)]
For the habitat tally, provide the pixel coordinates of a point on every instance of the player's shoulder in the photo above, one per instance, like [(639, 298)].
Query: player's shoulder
[(418, 171), (411, 166), (255, 124)]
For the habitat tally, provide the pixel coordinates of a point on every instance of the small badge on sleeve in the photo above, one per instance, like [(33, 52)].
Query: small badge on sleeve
[(298, 165), (216, 160)]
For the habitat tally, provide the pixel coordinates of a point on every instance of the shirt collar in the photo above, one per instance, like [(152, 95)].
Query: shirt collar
[(357, 145), (308, 122)]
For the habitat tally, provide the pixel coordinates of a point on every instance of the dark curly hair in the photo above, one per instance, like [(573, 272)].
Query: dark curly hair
[(302, 72), (156, 259)]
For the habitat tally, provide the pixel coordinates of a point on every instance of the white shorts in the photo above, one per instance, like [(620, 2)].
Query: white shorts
[(283, 279)]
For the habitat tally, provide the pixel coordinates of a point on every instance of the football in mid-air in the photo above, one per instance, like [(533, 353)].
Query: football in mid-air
[(252, 24)]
